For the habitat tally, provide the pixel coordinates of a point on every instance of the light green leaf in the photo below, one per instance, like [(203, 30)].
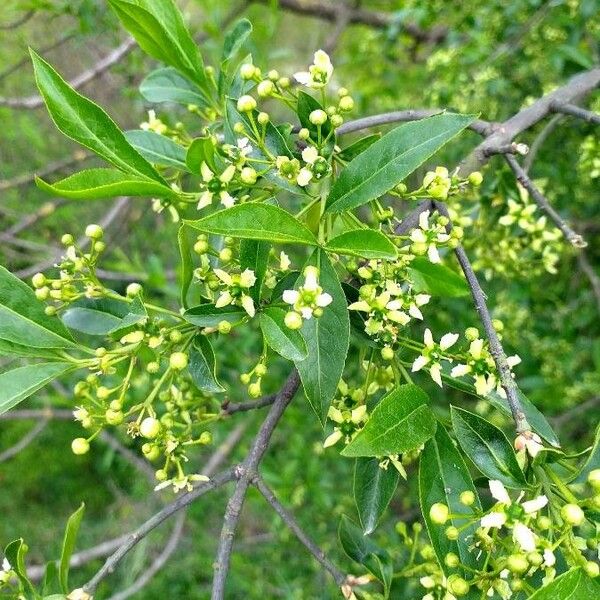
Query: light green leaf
[(235, 38), (18, 384), (157, 149), (436, 279), (401, 421), (200, 150), (255, 256), (373, 490), (68, 546), (365, 243), (487, 447), (92, 184), (187, 267), (207, 315), (168, 85), (388, 161), (256, 221), (15, 554), (23, 320), (572, 585), (327, 339), (203, 367), (356, 148), (443, 476), (592, 462), (287, 342), (86, 123)]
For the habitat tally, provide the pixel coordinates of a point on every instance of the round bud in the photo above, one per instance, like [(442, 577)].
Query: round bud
[(273, 75), (113, 417), (50, 311), (239, 127), (224, 327), (452, 533), (205, 437), (439, 513), (342, 92), (317, 312), (100, 352), (346, 103), (178, 361), (594, 479), (260, 369), (175, 336), (535, 559), (304, 134), (293, 320), (451, 560), (417, 527), (161, 475), (225, 255), (467, 498), (544, 523), (254, 390), (337, 120), (475, 178), (80, 446), (592, 569), (516, 585), (572, 514), (284, 82), (133, 289), (317, 117), (201, 247), (458, 586), (67, 240), (150, 427), (248, 176), (38, 280), (100, 247), (245, 378), (246, 104), (247, 71), (152, 367), (116, 405), (263, 118), (265, 88), (498, 324), (517, 563), (387, 353), (94, 232), (102, 393), (151, 451), (42, 293), (472, 333), (596, 501)]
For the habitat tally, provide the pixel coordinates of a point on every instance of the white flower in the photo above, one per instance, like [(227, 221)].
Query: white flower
[(549, 558), (310, 155), (182, 482), (318, 74), (530, 442), (309, 297), (216, 185), (284, 261), (524, 537), (351, 420), (235, 290), (432, 354), (153, 124), (493, 519), (304, 177)]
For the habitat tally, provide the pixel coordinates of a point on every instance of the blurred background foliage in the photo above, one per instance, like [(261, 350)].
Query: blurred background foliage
[(491, 58)]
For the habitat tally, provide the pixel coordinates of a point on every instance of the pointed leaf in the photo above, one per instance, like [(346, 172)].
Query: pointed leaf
[(203, 368), (187, 267), (255, 256), (68, 546), (287, 342), (436, 279), (15, 554), (157, 149), (208, 315), (364, 243), (168, 85), (592, 462), (572, 585)]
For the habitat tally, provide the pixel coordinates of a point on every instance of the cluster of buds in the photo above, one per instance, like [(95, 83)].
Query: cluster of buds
[(235, 288), (348, 412), (253, 378), (307, 301), (439, 184), (432, 234)]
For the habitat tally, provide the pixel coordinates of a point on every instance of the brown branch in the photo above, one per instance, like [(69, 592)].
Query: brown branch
[(411, 220), (229, 408), (576, 111), (24, 441), (245, 473)]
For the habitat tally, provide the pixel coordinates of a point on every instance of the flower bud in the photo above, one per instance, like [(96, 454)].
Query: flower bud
[(80, 446), (284, 82), (94, 232), (467, 498), (273, 75), (593, 479), (248, 176), (247, 71), (42, 293), (150, 427), (225, 255), (544, 523), (152, 367), (246, 104), (452, 533), (346, 103), (265, 88), (133, 289), (591, 569), (458, 586), (161, 475), (205, 437), (517, 563), (293, 320), (100, 247), (475, 178), (178, 361), (38, 280), (535, 559), (260, 370), (387, 353), (451, 560), (439, 513), (67, 240), (254, 390), (337, 120), (201, 247), (317, 117), (151, 451), (342, 92), (224, 327), (113, 417), (572, 514), (245, 378), (262, 118), (304, 134), (239, 127)]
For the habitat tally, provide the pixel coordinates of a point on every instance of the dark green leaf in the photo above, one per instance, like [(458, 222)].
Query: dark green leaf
[(401, 421), (12, 349), (187, 267), (436, 279), (373, 490), (168, 85), (255, 256), (256, 221), (443, 476), (68, 546), (287, 342), (158, 149), (86, 123), (365, 243), (200, 150), (203, 367), (207, 315), (487, 447), (287, 282), (572, 585), (353, 150), (593, 461), (391, 159), (15, 554), (327, 339)]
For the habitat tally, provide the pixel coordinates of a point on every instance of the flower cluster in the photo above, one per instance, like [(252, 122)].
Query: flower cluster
[(307, 301)]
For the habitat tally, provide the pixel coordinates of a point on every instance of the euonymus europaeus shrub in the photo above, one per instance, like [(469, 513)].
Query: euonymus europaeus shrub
[(328, 253)]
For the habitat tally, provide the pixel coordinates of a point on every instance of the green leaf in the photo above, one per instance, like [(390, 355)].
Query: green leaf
[(373, 490), (203, 367), (23, 320), (256, 221), (235, 38), (20, 383), (200, 150), (104, 316), (207, 315), (91, 184), (353, 150), (487, 447), (443, 476), (306, 105), (388, 161), (168, 85), (187, 267), (85, 122), (255, 256), (366, 552), (157, 149), (50, 582), (12, 349), (159, 29), (401, 421), (572, 585), (68, 546), (593, 461), (436, 279), (15, 554), (287, 342), (365, 243), (327, 339)]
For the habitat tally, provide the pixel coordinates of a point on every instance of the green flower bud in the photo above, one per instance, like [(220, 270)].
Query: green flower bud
[(387, 353), (80, 446), (247, 71), (239, 128), (161, 475), (201, 247), (471, 333), (273, 75), (42, 293), (475, 178), (498, 324), (317, 117), (224, 327), (452, 532), (152, 367), (304, 134), (592, 569), (535, 559), (100, 247), (544, 523), (67, 240), (38, 280), (178, 361), (439, 513), (293, 320), (451, 560), (246, 104), (248, 176), (572, 514), (94, 232), (263, 118), (225, 255), (245, 378), (102, 392), (205, 437), (113, 417), (254, 390), (517, 563), (265, 88), (337, 120), (346, 103), (151, 451), (593, 479), (150, 427), (284, 82), (133, 289), (260, 370), (116, 405), (50, 311), (458, 586), (467, 498)]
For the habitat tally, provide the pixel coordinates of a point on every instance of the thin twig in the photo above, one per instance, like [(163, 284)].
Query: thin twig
[(539, 198), (24, 441), (591, 274), (576, 111), (228, 408), (295, 527), (539, 141), (411, 220)]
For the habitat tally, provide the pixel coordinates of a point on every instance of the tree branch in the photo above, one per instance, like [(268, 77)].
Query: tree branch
[(24, 441), (576, 111), (229, 408)]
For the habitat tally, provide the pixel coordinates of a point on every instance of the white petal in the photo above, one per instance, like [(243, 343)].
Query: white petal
[(513, 361), (358, 414), (284, 261), (499, 492), (532, 506), (306, 312), (428, 338), (424, 217), (207, 174), (223, 276), (321, 59), (304, 177), (435, 372), (248, 305), (476, 348), (310, 154), (448, 340), (227, 200), (360, 305), (303, 77), (291, 296), (493, 519), (324, 300), (418, 236), (414, 312), (460, 370), (397, 316), (524, 537), (481, 385), (549, 558), (533, 446), (335, 414), (394, 305), (205, 199), (419, 363), (247, 278), (223, 300), (421, 299), (332, 439), (311, 275), (433, 254), (228, 174)]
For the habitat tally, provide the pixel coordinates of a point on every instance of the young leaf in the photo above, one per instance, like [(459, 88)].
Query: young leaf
[(487, 447), (366, 552), (402, 421), (592, 462), (391, 159), (159, 29), (203, 367), (443, 476), (255, 256), (572, 585), (373, 490), (15, 555), (234, 40), (91, 184), (365, 243), (436, 279), (200, 150), (68, 546), (18, 384), (168, 85), (23, 320), (85, 122), (256, 221), (157, 149), (327, 339), (207, 315), (287, 342), (187, 267)]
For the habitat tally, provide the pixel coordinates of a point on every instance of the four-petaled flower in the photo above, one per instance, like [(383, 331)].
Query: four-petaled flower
[(349, 422), (427, 236), (432, 354), (437, 183), (216, 185), (309, 299), (182, 482), (153, 124), (318, 74), (235, 293)]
